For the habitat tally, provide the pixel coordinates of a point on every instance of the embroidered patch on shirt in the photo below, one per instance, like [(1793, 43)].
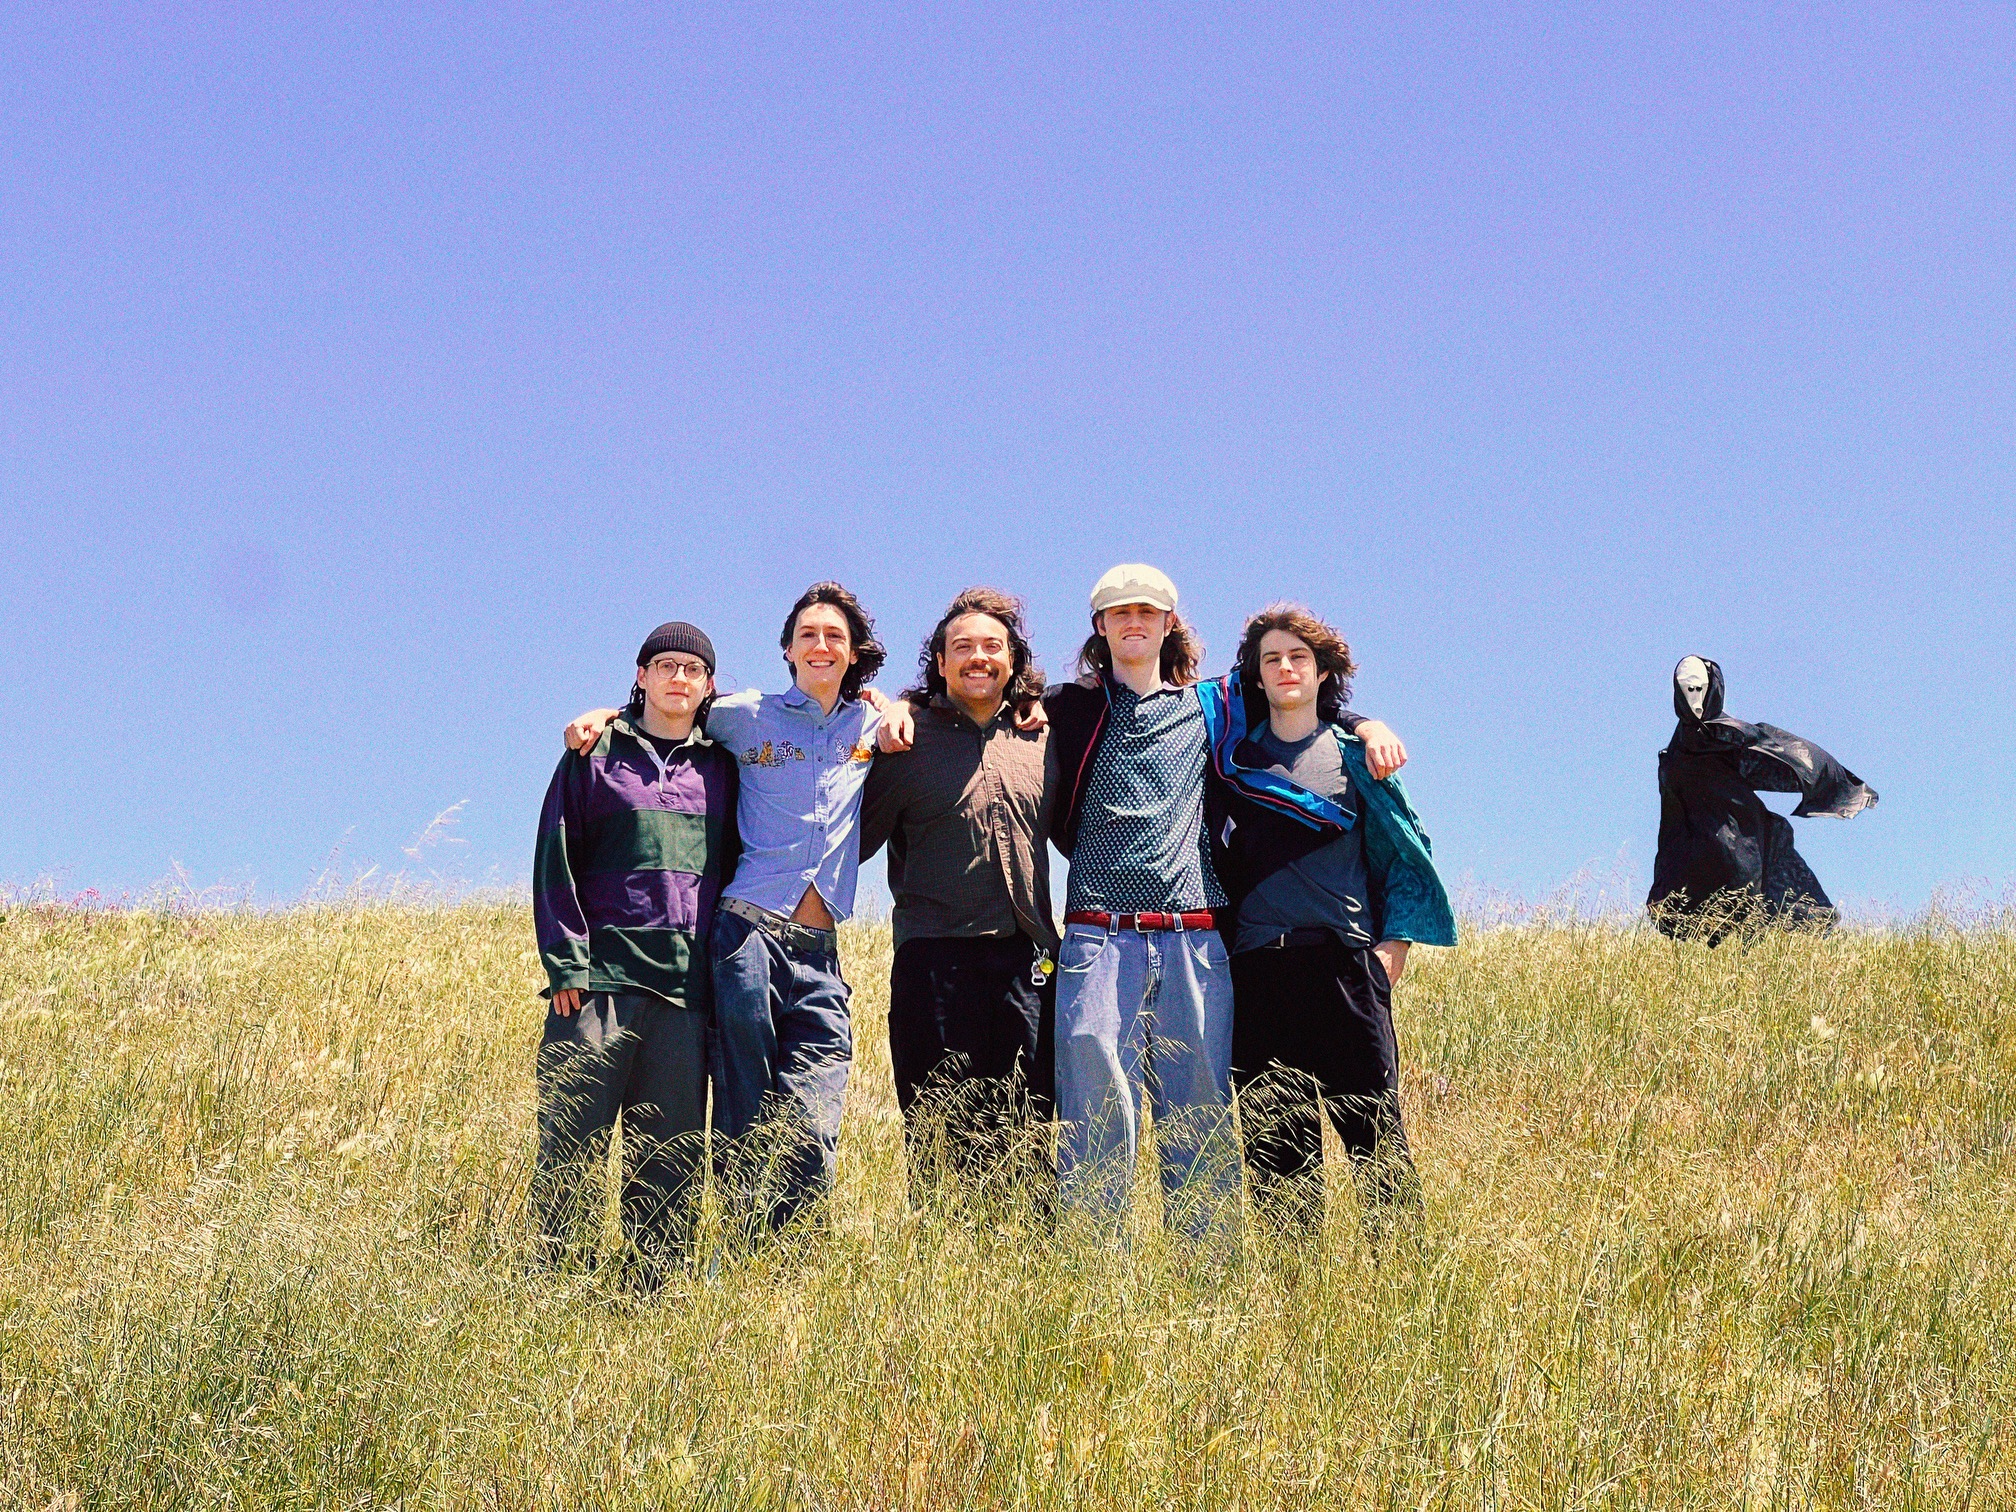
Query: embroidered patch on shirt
[(773, 753)]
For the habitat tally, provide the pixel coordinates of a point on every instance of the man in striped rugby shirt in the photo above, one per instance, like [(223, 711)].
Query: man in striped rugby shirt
[(635, 839)]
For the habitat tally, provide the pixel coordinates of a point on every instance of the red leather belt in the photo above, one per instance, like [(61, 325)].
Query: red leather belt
[(1138, 922)]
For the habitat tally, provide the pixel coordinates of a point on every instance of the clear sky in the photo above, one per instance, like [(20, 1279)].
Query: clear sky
[(371, 380)]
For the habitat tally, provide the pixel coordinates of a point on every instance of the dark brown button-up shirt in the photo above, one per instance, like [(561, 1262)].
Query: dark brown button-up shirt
[(962, 812)]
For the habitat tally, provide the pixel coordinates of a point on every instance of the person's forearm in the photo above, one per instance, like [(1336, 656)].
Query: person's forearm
[(581, 734)]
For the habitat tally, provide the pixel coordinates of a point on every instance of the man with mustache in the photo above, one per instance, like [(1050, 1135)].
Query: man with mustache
[(970, 990)]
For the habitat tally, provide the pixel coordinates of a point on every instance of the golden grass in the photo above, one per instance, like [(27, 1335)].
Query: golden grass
[(1705, 1229)]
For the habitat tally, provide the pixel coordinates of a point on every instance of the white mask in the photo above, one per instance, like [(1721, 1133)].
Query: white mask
[(1691, 677)]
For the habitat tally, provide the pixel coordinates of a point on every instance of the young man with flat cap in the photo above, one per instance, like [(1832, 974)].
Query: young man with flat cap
[(1144, 994), (635, 840)]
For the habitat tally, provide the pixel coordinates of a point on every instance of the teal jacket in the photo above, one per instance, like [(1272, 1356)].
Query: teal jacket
[(1277, 820)]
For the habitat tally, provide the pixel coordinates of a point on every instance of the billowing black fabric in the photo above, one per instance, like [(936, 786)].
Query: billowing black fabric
[(1724, 856)]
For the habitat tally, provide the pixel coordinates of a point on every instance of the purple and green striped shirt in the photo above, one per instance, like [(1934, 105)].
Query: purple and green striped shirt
[(632, 851)]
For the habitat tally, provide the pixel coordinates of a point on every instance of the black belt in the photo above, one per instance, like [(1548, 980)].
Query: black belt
[(1296, 939)]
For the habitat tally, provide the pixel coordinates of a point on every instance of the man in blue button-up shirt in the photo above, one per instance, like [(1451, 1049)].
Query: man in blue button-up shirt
[(804, 761), (782, 1036)]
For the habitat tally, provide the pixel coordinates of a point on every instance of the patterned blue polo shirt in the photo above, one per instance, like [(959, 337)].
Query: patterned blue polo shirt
[(1141, 842)]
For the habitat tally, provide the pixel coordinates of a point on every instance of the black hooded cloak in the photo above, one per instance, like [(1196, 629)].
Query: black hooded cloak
[(1724, 858)]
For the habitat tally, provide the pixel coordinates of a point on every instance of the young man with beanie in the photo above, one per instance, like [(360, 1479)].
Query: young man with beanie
[(971, 995), (783, 1039), (1331, 878), (1144, 996), (635, 839)]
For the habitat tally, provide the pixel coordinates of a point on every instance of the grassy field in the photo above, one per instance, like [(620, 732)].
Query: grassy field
[(1705, 1229)]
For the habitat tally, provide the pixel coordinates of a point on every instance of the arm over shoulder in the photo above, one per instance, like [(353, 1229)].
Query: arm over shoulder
[(883, 797), (731, 718)]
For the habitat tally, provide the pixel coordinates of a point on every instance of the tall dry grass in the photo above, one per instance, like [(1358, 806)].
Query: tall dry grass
[(1705, 1229)]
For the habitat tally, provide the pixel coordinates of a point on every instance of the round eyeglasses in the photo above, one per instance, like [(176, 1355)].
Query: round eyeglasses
[(678, 666)]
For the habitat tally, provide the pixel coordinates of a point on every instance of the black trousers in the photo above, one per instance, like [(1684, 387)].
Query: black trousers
[(972, 1042), (1312, 1032), (637, 1055)]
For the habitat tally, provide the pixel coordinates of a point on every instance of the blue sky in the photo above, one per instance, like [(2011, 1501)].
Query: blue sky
[(373, 379)]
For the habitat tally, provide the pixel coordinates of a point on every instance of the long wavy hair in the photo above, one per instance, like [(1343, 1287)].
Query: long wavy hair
[(1182, 654), (1025, 683), (1332, 654), (869, 653)]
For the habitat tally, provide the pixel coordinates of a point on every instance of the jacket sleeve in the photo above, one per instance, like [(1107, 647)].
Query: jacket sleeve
[(882, 800), (1225, 834), (561, 926), (1073, 714), (731, 820), (1408, 894)]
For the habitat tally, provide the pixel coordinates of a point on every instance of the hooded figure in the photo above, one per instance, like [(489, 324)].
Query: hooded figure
[(1720, 849)]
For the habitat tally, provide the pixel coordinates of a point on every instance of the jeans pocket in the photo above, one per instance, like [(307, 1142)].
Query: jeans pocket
[(1207, 949), (1083, 944), (725, 931)]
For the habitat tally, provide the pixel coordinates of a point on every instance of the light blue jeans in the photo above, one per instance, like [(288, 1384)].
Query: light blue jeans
[(1147, 1016)]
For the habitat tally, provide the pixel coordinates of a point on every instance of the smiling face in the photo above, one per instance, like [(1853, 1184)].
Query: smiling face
[(977, 662), (1134, 632), (1691, 678), (1288, 671), (821, 649)]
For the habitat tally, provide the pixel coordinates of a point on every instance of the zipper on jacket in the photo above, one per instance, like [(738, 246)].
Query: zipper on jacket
[(1085, 764)]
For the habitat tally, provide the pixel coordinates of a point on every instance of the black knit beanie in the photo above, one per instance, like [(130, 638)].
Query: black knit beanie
[(677, 635)]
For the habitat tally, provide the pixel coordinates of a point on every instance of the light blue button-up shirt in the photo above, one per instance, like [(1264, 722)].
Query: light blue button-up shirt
[(800, 806)]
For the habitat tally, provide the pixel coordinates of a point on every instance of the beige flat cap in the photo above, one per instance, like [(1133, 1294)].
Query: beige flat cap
[(1133, 583)]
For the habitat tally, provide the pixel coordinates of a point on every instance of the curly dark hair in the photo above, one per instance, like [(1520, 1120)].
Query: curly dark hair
[(1025, 684), (1182, 654), (1332, 654), (868, 651)]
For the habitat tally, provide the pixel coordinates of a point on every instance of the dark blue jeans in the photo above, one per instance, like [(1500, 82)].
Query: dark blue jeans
[(781, 1047), (647, 1059)]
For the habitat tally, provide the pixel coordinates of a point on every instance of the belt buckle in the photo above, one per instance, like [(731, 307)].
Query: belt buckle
[(1139, 927)]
